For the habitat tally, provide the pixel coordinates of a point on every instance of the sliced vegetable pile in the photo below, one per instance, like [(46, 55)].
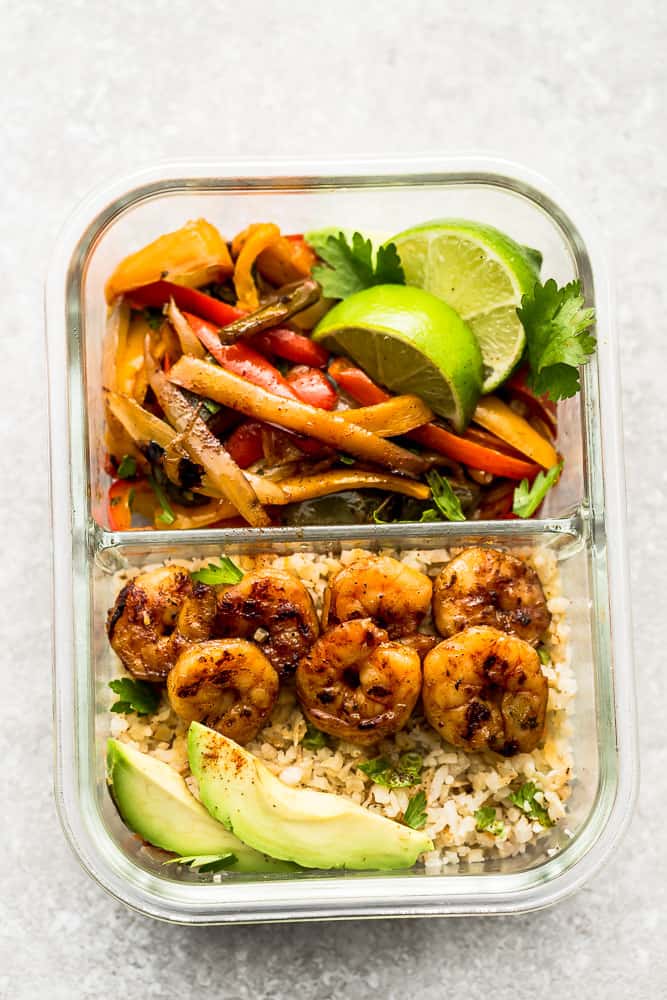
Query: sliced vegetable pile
[(282, 379)]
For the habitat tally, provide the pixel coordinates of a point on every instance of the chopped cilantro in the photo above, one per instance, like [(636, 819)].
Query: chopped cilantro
[(225, 572), (350, 268), (485, 820), (544, 656), (153, 317), (526, 800), (346, 459), (314, 739), (134, 696), (528, 498), (415, 814), (406, 773), (211, 405), (557, 337), (167, 516), (127, 468), (444, 496)]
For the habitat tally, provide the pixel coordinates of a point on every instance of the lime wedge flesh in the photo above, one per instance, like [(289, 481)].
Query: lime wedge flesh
[(410, 342), (482, 274)]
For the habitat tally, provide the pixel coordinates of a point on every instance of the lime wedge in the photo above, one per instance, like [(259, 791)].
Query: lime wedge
[(481, 273), (409, 341)]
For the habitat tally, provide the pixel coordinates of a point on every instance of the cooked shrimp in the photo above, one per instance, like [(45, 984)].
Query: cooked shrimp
[(394, 595), (156, 616), (357, 684), (277, 604), (228, 684), (490, 587), (485, 690)]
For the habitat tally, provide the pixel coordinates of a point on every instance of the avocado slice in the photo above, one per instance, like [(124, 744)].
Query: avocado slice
[(155, 802), (315, 829)]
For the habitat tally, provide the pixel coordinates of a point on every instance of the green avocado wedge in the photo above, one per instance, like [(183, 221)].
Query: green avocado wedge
[(155, 802), (314, 829)]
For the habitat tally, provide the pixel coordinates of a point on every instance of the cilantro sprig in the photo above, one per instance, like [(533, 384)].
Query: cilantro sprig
[(557, 337), (415, 814), (444, 497), (127, 468), (226, 571), (314, 739), (526, 799), (528, 498), (134, 696), (405, 773), (486, 821), (350, 267)]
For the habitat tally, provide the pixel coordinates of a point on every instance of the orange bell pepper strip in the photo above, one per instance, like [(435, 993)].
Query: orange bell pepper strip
[(121, 497), (194, 255), (263, 235), (288, 259), (495, 416), (364, 391)]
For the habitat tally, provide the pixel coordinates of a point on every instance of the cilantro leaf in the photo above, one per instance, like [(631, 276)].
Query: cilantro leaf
[(528, 498), (167, 516), (444, 497), (415, 814), (543, 654), (127, 468), (427, 517), (134, 696), (205, 862), (485, 820), (314, 739), (346, 459), (526, 800), (226, 572), (153, 317), (407, 772), (349, 268), (557, 337)]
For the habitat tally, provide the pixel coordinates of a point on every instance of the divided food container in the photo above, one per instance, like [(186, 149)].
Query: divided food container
[(583, 522)]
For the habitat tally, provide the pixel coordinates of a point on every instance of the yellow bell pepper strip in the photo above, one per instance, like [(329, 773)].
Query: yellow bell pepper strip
[(286, 260), (194, 255), (215, 383), (263, 236), (498, 418)]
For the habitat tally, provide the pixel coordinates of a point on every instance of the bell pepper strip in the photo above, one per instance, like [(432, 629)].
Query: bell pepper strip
[(291, 346), (214, 382), (363, 390), (283, 305), (190, 300), (121, 497), (288, 259), (205, 449), (263, 236), (537, 406), (338, 480), (245, 444), (497, 417), (396, 416), (194, 255), (240, 358), (312, 386)]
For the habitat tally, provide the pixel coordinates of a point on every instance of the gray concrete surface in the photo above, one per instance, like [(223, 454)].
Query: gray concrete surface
[(92, 89)]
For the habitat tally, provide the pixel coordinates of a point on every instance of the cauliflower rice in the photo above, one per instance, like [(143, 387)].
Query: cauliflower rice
[(457, 783)]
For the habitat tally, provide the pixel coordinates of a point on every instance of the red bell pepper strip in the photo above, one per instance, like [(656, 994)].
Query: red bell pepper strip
[(538, 406), (291, 346), (187, 300), (245, 444), (240, 358), (243, 360), (312, 386), (364, 391)]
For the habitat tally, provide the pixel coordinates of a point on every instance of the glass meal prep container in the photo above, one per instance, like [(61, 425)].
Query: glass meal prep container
[(583, 521)]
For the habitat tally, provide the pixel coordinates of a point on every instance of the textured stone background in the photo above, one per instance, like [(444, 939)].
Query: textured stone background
[(91, 90)]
